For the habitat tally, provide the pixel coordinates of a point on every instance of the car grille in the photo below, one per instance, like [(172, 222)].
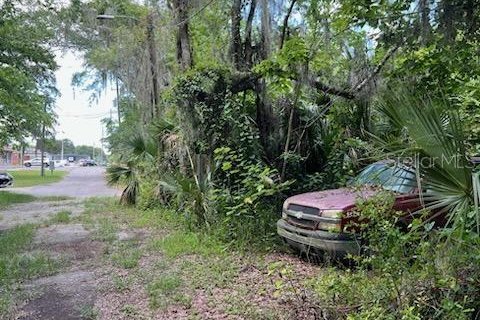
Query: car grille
[(303, 222), (303, 209)]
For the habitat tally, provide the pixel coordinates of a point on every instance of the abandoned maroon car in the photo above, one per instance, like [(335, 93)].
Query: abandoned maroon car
[(318, 221)]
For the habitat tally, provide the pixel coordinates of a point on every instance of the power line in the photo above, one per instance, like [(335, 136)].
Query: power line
[(86, 116)]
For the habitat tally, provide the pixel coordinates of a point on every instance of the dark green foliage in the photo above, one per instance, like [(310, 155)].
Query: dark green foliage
[(213, 116)]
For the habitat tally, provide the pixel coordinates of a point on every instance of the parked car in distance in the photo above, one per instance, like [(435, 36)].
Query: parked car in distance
[(36, 162), (60, 163), (6, 180), (319, 222), (87, 163)]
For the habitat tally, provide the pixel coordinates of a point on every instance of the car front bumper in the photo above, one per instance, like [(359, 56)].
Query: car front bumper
[(336, 244)]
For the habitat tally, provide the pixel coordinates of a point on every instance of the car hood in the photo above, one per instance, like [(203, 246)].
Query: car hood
[(337, 199)]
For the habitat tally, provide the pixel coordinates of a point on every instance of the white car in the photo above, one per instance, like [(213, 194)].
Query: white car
[(36, 162), (60, 163)]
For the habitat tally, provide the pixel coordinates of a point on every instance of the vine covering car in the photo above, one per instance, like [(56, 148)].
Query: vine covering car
[(319, 221)]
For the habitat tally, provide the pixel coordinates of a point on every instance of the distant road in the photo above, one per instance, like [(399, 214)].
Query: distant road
[(80, 182)]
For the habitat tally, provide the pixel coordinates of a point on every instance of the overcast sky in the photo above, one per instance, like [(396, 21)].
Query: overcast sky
[(78, 120)]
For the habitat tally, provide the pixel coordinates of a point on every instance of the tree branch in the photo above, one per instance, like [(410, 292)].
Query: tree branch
[(285, 23), (244, 81), (375, 71), (332, 90)]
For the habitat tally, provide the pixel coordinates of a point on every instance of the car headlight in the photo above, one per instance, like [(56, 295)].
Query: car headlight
[(331, 227), (332, 213)]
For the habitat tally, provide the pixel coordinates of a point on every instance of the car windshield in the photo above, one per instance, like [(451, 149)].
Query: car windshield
[(388, 176)]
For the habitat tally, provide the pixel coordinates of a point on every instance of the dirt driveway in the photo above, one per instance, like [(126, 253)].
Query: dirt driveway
[(94, 259), (69, 293), (81, 182)]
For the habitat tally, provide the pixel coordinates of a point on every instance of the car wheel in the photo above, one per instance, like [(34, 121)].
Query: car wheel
[(28, 164)]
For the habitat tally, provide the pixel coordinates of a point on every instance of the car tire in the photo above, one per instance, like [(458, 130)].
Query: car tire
[(28, 164)]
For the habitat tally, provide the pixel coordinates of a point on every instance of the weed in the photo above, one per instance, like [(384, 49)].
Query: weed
[(127, 256), (121, 283), (209, 272), (17, 266), (61, 217), (106, 231), (130, 311), (54, 198), (182, 243), (161, 289), (9, 198), (88, 312)]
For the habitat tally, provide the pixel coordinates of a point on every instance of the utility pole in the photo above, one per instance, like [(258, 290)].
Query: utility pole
[(42, 146), (61, 153), (101, 146), (118, 101)]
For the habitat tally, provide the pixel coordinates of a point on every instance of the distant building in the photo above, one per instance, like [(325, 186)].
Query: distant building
[(9, 156)]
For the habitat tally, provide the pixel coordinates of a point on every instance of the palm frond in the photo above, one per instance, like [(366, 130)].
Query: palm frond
[(435, 137), (124, 175)]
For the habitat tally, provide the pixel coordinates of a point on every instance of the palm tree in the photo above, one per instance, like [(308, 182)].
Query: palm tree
[(430, 132), (124, 175), (127, 172)]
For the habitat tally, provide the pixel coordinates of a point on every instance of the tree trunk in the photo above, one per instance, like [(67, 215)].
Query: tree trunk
[(447, 18), (266, 30), (184, 50), (424, 8), (247, 47), (265, 117), (266, 122), (236, 42), (471, 15), (152, 52)]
